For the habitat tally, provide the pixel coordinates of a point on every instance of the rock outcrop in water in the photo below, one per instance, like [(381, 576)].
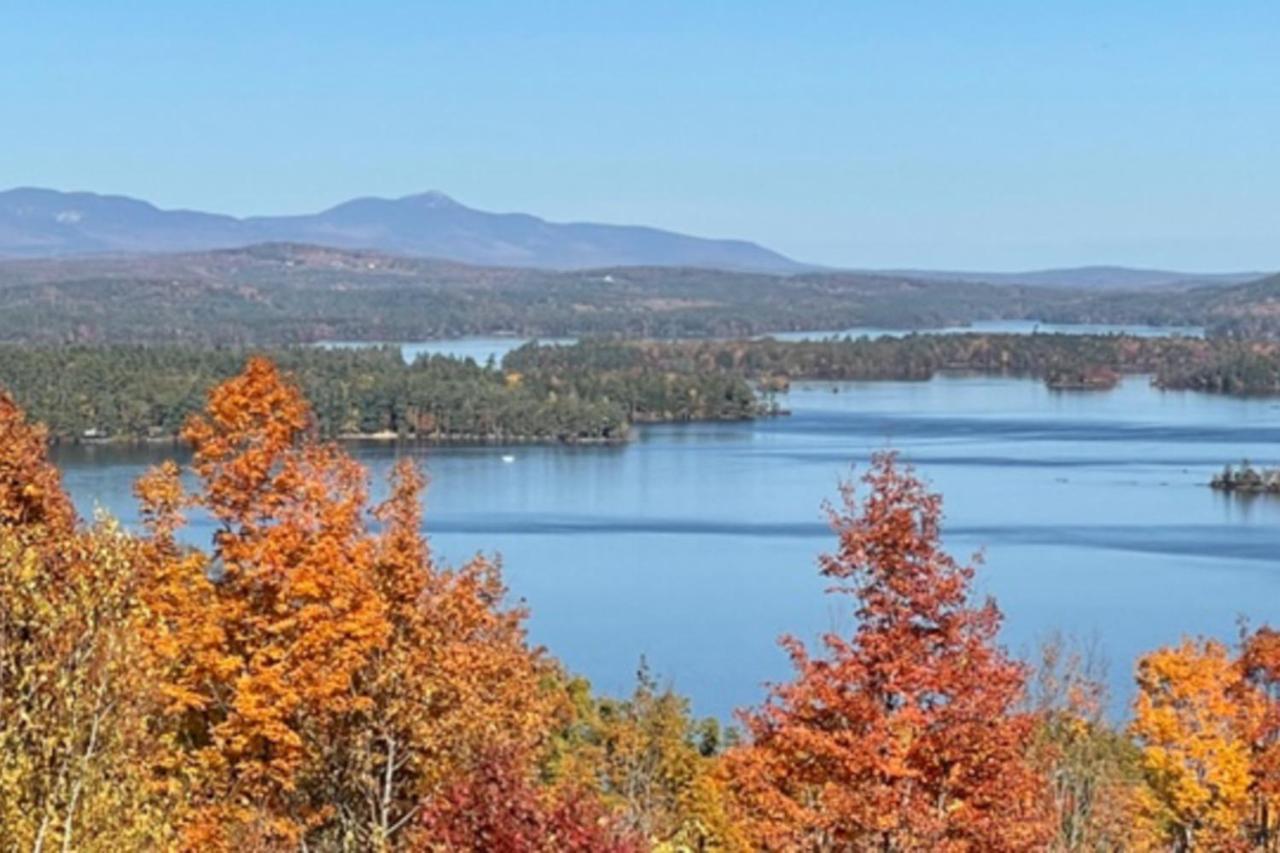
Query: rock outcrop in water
[(1087, 378), (1248, 480)]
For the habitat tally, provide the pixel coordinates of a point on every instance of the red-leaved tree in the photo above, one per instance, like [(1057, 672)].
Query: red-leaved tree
[(904, 736), (496, 807)]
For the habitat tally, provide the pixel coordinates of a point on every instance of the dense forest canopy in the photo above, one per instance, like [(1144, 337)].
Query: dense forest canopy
[(288, 294), (594, 390), (284, 293), (1248, 310), (133, 392), (1211, 365)]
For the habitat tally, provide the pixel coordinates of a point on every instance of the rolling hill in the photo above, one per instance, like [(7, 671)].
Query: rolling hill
[(1248, 309), (295, 293)]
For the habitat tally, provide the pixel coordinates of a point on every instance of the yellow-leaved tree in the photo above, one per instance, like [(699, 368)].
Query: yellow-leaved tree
[(75, 703), (655, 766), (1191, 719)]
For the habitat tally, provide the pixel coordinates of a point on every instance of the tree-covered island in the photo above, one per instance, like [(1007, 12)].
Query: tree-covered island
[(592, 391)]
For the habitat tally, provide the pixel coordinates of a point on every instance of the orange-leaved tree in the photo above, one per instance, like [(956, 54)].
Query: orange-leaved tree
[(325, 682), (31, 494), (1192, 720), (454, 681), (281, 619), (906, 735), (1260, 668)]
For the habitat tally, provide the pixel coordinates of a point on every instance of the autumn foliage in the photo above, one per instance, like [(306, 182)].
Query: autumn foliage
[(328, 679), (495, 805), (1193, 726), (905, 735), (656, 770), (31, 496), (75, 709), (1259, 688), (1093, 772), (309, 677), (287, 617)]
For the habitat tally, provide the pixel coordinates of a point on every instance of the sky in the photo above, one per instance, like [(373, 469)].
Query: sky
[(906, 133)]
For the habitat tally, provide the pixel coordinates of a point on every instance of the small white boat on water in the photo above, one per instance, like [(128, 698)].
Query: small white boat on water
[(507, 457)]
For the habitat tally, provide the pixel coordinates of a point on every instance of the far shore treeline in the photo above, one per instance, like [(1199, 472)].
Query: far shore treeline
[(280, 294), (593, 391)]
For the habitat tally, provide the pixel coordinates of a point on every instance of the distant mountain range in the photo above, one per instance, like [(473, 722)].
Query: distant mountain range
[(36, 223), (43, 223)]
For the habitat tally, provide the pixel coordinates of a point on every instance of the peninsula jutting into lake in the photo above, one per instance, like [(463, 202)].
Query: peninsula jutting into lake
[(590, 391)]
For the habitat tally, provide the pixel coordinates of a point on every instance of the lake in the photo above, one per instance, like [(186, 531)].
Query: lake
[(483, 348), (480, 349), (695, 545), (1001, 327)]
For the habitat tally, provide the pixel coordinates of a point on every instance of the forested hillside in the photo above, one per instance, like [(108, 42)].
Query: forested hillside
[(1212, 365), (289, 293), (277, 294), (1248, 310)]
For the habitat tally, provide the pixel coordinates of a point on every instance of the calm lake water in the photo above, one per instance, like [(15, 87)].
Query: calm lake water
[(483, 348), (695, 545), (479, 349), (1003, 327)]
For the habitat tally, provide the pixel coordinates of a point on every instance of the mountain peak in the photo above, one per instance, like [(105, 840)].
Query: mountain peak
[(432, 198), (43, 223)]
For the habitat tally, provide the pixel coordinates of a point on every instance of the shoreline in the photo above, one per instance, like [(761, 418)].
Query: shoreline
[(1119, 378), (355, 438)]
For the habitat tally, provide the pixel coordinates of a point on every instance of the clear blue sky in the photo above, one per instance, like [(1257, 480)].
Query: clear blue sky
[(942, 134)]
